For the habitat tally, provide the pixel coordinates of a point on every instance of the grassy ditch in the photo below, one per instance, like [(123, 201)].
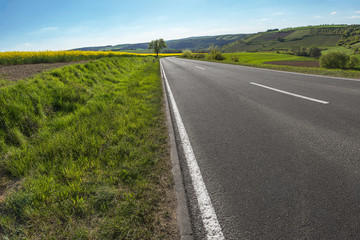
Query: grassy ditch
[(259, 60), (84, 155)]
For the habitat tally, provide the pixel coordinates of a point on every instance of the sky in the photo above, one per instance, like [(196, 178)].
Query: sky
[(36, 25)]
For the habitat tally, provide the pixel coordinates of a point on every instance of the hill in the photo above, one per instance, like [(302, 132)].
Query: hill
[(324, 36), (193, 43)]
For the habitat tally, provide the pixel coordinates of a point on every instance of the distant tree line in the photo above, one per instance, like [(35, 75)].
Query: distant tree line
[(312, 51)]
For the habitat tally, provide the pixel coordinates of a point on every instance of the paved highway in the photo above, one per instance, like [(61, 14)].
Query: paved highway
[(279, 152)]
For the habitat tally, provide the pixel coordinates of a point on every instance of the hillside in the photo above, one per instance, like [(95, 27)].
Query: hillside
[(193, 43), (325, 36)]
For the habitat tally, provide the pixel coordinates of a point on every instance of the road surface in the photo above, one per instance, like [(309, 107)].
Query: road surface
[(279, 153)]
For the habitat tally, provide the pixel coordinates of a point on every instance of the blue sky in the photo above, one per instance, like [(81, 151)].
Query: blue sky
[(66, 24)]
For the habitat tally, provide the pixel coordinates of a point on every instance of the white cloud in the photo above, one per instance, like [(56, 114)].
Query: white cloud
[(318, 17), (162, 18), (277, 13), (265, 19), (45, 30), (357, 11), (354, 17), (48, 29), (333, 13)]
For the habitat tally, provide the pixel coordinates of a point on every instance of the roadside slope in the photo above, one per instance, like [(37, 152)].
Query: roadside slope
[(84, 154)]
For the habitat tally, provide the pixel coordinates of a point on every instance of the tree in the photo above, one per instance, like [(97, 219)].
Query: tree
[(157, 45), (314, 52), (300, 51), (334, 60)]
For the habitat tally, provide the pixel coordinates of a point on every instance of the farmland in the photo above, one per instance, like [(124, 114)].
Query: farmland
[(13, 58), (327, 36), (84, 154), (272, 60)]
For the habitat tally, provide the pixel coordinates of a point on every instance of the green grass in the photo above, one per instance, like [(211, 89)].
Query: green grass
[(84, 155), (272, 45), (298, 34), (260, 58), (338, 49), (320, 41), (323, 36)]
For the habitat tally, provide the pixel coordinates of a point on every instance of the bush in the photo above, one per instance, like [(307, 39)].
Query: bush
[(334, 60), (301, 51), (219, 56), (234, 58), (314, 52), (187, 53), (198, 55), (215, 53), (353, 63)]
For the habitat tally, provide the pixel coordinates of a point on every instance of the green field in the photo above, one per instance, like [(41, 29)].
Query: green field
[(260, 58), (323, 36), (338, 49), (84, 154)]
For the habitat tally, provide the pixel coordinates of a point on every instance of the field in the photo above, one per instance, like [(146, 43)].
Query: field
[(338, 49), (324, 37), (263, 60), (16, 72), (84, 154), (13, 58)]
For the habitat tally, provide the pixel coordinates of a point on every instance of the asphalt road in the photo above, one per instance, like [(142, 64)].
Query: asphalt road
[(276, 165)]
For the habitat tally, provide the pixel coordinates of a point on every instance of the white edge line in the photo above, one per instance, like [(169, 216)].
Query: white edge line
[(307, 74), (292, 94), (284, 71), (208, 215), (200, 67)]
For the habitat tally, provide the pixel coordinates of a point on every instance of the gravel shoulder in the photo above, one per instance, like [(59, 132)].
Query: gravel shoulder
[(17, 72)]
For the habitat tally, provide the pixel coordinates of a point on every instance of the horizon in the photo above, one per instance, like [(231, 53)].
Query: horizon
[(35, 26)]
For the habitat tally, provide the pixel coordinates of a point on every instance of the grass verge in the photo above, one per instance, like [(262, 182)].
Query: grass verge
[(84, 154), (258, 60)]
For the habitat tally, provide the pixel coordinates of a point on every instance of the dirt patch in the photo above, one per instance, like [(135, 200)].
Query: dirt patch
[(312, 64), (17, 72), (7, 187)]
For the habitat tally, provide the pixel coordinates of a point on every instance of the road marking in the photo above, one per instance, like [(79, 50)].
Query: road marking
[(200, 67), (306, 74), (294, 73), (208, 215), (292, 94)]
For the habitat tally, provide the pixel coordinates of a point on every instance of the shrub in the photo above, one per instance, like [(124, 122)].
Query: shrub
[(199, 55), (334, 60), (215, 53), (301, 51), (353, 63), (234, 58), (314, 52), (187, 53), (219, 56)]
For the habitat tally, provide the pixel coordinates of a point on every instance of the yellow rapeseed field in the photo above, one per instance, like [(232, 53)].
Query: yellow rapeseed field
[(13, 58)]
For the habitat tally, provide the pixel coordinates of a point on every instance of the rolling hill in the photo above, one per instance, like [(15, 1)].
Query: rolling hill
[(193, 43), (343, 37), (324, 36)]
